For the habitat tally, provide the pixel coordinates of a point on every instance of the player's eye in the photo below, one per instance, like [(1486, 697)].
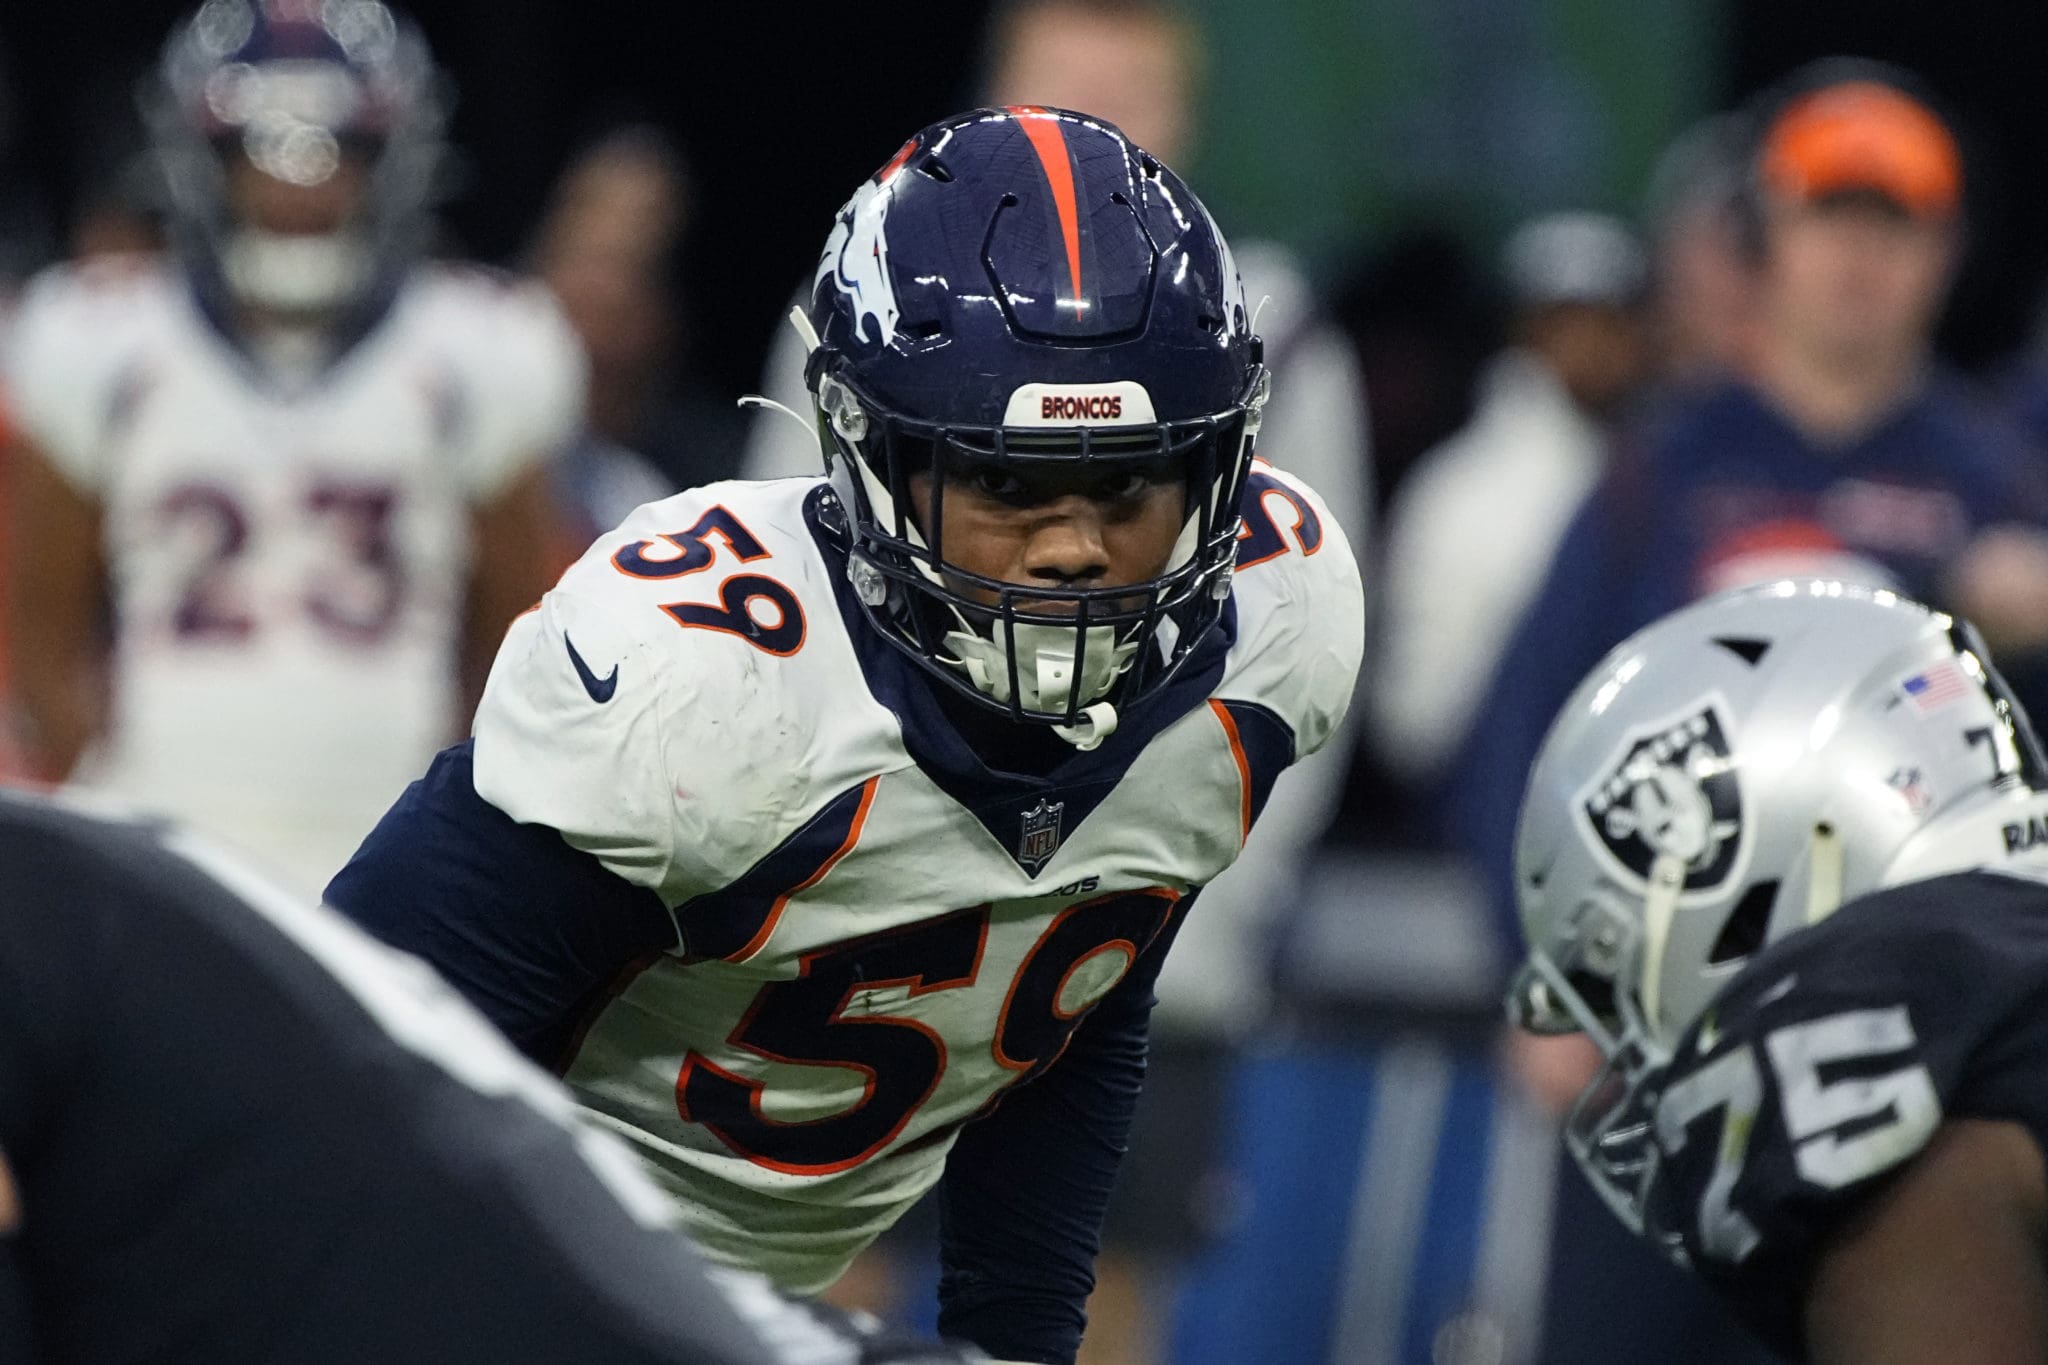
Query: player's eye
[(993, 481), (1137, 480), (1124, 487)]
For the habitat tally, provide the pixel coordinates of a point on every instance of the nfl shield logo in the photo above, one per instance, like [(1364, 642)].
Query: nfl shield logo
[(1041, 836)]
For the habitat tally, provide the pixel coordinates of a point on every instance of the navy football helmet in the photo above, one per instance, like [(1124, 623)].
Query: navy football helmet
[(297, 87), (1027, 288)]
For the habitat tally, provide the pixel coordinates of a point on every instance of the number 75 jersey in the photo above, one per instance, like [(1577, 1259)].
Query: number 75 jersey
[(1825, 1067), (876, 933)]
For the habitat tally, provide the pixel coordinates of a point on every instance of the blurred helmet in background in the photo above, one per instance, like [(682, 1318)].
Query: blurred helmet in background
[(298, 141), (1730, 775)]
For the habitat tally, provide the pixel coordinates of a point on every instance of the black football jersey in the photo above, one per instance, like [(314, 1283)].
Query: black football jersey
[(1825, 1066), (242, 1131)]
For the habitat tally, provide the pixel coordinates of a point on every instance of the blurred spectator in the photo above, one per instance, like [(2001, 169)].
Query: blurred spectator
[(605, 250), (1474, 526), (1423, 314), (1704, 272), (1843, 449), (608, 247), (1836, 446), (304, 470)]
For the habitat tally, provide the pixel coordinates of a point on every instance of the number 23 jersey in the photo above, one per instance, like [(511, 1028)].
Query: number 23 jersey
[(1828, 1064), (288, 557), (876, 934)]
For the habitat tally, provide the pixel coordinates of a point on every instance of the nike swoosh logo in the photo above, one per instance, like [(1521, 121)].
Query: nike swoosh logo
[(600, 689)]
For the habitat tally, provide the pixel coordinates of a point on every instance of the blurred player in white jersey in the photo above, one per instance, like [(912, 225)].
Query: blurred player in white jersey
[(302, 467), (829, 832)]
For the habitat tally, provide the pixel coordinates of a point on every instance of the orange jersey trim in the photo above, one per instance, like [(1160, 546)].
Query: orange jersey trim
[(860, 819), (1244, 768)]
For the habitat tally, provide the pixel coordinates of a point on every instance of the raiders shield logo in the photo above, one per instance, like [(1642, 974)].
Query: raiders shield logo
[(1041, 835), (1671, 791)]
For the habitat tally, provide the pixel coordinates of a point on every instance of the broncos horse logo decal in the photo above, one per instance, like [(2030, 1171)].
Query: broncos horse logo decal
[(856, 257)]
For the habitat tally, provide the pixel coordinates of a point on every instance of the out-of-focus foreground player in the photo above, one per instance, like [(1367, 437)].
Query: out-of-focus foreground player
[(232, 1128)]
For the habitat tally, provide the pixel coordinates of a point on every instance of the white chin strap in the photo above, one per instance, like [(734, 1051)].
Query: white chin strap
[(1660, 907), (287, 273), (1046, 678)]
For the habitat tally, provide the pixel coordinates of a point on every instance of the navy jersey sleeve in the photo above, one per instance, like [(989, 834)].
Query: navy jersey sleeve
[(533, 931), (1829, 1063), (1026, 1187)]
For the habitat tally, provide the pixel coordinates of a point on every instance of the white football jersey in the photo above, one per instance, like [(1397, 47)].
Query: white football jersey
[(288, 562), (876, 934)]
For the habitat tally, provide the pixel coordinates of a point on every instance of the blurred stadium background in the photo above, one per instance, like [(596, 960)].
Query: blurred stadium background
[(1337, 128)]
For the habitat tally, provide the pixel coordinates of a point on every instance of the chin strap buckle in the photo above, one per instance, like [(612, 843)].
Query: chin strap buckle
[(1097, 723)]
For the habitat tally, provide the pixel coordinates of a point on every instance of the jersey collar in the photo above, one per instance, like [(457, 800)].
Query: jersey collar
[(942, 740)]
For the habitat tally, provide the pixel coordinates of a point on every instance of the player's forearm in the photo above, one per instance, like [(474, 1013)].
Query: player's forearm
[(1947, 1266), (63, 705), (1988, 1306), (1027, 1187), (56, 587), (515, 535)]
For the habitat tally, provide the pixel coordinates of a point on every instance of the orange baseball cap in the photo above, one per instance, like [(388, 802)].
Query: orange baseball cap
[(1864, 135)]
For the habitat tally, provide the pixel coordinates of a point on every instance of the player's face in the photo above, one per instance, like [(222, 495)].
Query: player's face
[(1855, 277), (1062, 530), (270, 204)]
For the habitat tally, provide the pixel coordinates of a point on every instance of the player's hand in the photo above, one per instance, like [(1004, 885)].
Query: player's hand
[(1551, 1071), (2000, 582)]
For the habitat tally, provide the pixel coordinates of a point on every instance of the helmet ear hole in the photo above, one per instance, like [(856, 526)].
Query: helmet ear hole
[(1743, 933)]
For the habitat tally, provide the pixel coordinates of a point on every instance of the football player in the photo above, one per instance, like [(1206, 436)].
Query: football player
[(829, 832), (302, 466), (1784, 858), (374, 1176)]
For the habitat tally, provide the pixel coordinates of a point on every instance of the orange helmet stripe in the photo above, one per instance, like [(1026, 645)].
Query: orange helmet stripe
[(1051, 145)]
